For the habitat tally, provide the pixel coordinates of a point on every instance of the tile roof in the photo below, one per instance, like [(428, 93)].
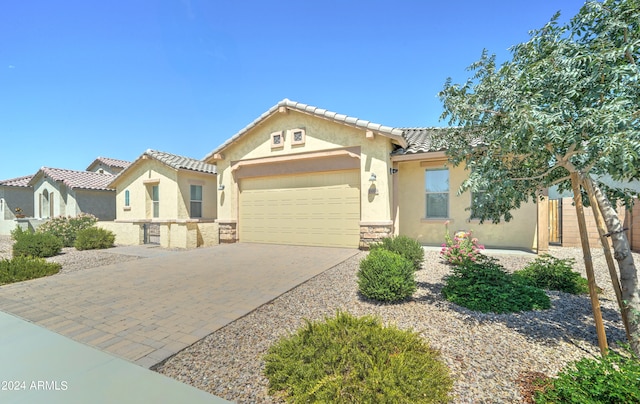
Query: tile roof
[(423, 140), (388, 131), (76, 179), (17, 182), (110, 162), (172, 160), (181, 162)]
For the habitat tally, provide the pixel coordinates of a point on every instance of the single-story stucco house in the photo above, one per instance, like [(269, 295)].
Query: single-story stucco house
[(16, 201), (166, 199), (62, 192), (303, 175)]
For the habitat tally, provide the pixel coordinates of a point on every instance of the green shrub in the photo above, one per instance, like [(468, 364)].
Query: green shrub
[(66, 227), (612, 379), (21, 268), (485, 286), (548, 272), (386, 276), (93, 238), (346, 359), (40, 245), (405, 246)]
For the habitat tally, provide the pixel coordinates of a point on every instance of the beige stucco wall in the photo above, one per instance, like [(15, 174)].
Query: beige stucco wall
[(520, 232), (173, 234), (321, 134), (126, 233), (173, 188)]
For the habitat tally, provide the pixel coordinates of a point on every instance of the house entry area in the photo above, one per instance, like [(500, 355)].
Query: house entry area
[(316, 209), (152, 233)]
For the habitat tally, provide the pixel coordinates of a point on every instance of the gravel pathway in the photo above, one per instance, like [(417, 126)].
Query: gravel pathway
[(485, 352)]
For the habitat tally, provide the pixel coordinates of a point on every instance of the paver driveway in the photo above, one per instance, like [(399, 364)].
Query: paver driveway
[(148, 309)]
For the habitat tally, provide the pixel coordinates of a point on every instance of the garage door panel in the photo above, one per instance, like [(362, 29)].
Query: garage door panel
[(312, 209)]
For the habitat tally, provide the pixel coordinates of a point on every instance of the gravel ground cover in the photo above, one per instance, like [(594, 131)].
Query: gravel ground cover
[(72, 259), (486, 353)]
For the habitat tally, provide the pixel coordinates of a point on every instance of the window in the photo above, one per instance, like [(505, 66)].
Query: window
[(437, 193), (155, 197), (126, 198), (196, 201), (297, 136), (277, 140)]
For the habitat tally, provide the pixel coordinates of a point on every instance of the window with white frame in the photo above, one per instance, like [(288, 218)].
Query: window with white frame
[(127, 200), (195, 206), (297, 136), (436, 193), (155, 197), (277, 139)]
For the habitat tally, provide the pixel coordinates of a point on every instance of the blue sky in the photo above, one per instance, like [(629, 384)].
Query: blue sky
[(82, 79)]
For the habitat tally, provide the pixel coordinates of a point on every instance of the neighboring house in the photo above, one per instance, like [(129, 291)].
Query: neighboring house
[(16, 200), (62, 192), (166, 199), (303, 175), (108, 165)]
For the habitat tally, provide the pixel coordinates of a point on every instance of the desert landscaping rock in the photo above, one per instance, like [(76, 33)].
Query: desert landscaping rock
[(487, 353)]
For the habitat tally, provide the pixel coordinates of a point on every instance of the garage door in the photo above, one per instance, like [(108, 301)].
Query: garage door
[(319, 209)]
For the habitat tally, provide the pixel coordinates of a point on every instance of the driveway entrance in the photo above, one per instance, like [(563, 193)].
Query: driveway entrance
[(147, 310)]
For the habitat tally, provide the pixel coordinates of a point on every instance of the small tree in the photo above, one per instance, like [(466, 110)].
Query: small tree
[(563, 111)]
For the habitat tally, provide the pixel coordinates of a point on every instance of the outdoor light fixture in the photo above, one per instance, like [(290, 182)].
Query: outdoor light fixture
[(221, 187), (373, 177), (393, 171)]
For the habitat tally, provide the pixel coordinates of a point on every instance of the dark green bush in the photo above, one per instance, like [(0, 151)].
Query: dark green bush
[(40, 245), (356, 360), (93, 238), (405, 246), (549, 272), (386, 276), (485, 286), (66, 227), (612, 379), (21, 268)]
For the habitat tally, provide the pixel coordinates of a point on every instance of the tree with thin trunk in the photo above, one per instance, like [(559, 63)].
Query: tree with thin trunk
[(567, 102)]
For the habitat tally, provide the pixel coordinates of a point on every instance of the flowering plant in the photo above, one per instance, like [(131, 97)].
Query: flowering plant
[(462, 248)]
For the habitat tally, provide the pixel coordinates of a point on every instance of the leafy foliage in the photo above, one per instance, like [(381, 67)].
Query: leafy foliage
[(610, 379), (485, 286), (407, 247), (32, 244), (462, 248), (356, 360), (22, 268), (93, 238), (66, 227), (549, 272), (386, 276)]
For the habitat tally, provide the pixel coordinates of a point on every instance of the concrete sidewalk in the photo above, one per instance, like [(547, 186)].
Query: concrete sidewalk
[(149, 309), (40, 366)]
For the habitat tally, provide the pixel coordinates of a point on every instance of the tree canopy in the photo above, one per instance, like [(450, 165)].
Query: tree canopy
[(567, 101)]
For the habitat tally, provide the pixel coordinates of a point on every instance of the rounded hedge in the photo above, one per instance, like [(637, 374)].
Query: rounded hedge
[(386, 276), (346, 359), (41, 245), (551, 273), (21, 268), (93, 238), (407, 247)]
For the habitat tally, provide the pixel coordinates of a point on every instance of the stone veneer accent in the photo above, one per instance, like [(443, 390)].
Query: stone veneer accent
[(228, 232), (374, 232)]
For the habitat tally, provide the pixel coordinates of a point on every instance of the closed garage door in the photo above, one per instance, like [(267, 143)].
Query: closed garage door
[(319, 209)]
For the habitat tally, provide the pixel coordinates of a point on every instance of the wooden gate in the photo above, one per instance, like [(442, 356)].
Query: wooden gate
[(555, 221)]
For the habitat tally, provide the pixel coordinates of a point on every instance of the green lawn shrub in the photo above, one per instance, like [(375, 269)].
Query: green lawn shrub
[(551, 273), (66, 227), (485, 286), (386, 276), (346, 359), (611, 379), (93, 238), (407, 247), (22, 268), (41, 245)]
